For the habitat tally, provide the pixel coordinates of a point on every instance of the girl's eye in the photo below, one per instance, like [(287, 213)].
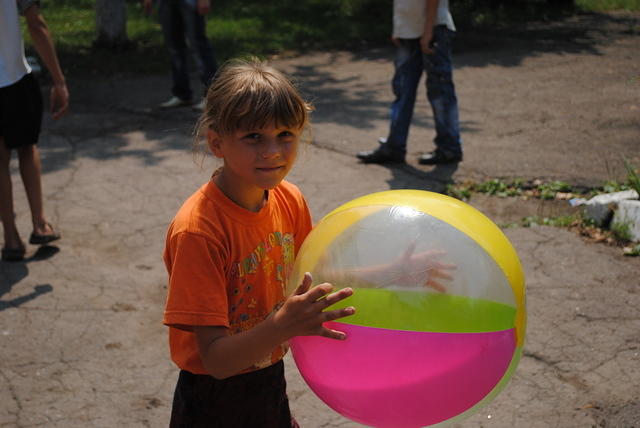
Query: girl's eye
[(252, 137), (285, 134)]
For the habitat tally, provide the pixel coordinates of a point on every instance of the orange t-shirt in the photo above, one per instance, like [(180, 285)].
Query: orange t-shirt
[(229, 266)]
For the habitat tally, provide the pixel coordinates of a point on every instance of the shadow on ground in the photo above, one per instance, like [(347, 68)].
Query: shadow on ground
[(118, 106), (14, 272)]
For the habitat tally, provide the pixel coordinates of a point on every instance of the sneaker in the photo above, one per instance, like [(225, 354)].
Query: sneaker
[(439, 157), (383, 154), (199, 106), (175, 102)]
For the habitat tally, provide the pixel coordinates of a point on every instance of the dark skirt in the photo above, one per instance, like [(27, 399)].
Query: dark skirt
[(256, 399)]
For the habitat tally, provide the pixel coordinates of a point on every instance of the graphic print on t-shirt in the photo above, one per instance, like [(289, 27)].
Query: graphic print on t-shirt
[(269, 264)]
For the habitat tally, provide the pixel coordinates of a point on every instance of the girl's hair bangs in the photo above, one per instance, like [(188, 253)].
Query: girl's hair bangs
[(259, 108), (253, 98)]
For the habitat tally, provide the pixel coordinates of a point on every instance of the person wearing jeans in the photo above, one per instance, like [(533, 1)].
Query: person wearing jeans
[(184, 29), (423, 34)]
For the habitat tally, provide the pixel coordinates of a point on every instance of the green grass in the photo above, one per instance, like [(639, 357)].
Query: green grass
[(516, 187), (633, 179), (256, 27), (549, 190), (72, 23), (251, 27), (633, 250), (490, 15), (561, 221), (608, 5), (622, 231)]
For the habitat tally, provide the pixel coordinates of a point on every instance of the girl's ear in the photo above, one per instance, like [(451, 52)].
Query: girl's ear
[(214, 142)]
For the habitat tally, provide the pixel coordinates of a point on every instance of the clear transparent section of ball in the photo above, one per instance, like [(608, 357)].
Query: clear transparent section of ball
[(440, 309)]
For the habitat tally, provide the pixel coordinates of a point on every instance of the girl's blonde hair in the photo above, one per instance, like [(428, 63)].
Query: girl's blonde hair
[(249, 94)]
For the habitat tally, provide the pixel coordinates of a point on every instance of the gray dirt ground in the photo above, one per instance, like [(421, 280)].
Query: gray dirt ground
[(81, 342)]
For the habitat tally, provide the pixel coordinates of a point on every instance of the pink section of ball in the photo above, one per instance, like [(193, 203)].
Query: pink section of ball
[(392, 378)]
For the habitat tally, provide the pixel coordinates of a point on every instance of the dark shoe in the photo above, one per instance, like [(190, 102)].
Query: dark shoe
[(439, 158), (35, 239), (383, 154), (12, 254)]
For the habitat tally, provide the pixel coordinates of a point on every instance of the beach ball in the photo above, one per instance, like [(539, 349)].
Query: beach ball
[(440, 309)]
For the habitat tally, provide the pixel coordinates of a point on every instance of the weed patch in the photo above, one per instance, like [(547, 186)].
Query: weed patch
[(619, 235)]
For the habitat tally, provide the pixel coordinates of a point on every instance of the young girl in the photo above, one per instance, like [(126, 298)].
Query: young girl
[(228, 253)]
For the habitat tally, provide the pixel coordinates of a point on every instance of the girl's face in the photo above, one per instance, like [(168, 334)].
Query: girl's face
[(254, 161)]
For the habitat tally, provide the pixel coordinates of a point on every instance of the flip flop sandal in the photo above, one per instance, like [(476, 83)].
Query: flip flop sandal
[(13, 254), (36, 239)]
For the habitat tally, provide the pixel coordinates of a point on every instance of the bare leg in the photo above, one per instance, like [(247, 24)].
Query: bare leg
[(11, 236), (30, 170)]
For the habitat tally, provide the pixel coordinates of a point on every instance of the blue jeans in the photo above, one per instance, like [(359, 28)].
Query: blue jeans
[(184, 31), (409, 64)]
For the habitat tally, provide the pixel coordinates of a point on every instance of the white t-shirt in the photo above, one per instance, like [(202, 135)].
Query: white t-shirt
[(13, 64), (409, 16)]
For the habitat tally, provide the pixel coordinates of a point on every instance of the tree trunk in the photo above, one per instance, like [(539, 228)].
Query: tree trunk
[(562, 4), (111, 24)]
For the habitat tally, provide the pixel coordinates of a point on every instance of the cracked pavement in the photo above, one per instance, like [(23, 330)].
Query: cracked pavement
[(81, 343)]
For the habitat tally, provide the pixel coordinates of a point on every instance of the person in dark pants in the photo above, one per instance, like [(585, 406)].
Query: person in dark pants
[(422, 32), (184, 29), (21, 119)]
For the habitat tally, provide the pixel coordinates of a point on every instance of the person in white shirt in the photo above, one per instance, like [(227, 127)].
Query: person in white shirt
[(21, 119), (422, 32)]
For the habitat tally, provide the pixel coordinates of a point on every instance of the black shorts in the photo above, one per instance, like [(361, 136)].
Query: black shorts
[(21, 112), (252, 400)]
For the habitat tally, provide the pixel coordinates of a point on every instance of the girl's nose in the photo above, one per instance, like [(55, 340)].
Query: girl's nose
[(272, 150)]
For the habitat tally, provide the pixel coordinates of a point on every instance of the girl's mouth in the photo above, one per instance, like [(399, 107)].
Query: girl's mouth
[(271, 168)]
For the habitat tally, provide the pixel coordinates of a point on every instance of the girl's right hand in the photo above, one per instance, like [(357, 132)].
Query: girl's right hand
[(303, 313)]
